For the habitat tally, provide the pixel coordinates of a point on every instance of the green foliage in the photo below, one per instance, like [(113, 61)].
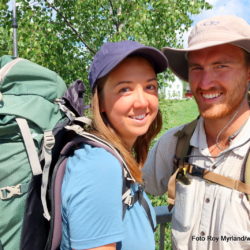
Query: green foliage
[(64, 35)]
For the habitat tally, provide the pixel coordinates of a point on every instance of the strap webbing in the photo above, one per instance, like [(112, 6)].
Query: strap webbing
[(148, 212), (221, 180), (48, 144), (7, 67), (209, 176), (172, 187), (182, 146), (30, 146), (247, 170), (129, 200)]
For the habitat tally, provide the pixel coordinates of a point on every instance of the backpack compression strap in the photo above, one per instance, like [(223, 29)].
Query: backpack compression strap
[(30, 146)]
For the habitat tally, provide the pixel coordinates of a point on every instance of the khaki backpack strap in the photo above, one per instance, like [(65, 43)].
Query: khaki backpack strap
[(48, 144), (247, 170), (4, 71), (7, 67), (206, 175), (181, 152), (30, 146), (172, 187), (219, 179), (183, 142)]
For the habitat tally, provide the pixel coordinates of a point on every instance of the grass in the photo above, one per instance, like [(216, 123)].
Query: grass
[(174, 113), (177, 112)]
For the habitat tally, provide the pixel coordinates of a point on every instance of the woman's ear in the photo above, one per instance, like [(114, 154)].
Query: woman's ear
[(101, 105)]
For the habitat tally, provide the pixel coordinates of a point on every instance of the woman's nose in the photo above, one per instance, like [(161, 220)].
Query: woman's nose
[(140, 100)]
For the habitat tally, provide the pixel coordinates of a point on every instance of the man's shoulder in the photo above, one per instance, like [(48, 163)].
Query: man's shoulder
[(170, 133)]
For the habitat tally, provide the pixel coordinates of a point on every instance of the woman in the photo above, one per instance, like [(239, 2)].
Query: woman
[(125, 113)]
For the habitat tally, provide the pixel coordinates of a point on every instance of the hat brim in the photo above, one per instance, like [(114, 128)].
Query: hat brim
[(177, 58), (156, 57)]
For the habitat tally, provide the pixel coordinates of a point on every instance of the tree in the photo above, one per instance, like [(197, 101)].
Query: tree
[(64, 35)]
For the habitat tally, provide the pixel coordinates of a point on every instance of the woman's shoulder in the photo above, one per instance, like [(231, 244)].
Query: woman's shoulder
[(91, 168), (93, 162), (94, 155)]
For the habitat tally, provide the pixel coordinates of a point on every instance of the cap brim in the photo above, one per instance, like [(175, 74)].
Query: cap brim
[(177, 58)]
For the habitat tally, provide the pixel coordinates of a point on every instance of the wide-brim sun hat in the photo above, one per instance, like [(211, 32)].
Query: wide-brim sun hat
[(113, 53), (218, 30)]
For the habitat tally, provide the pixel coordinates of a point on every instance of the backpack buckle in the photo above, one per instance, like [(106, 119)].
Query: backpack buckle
[(129, 200), (182, 175), (10, 191), (49, 140)]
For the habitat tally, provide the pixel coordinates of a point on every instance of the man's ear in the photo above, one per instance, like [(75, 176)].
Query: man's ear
[(248, 75)]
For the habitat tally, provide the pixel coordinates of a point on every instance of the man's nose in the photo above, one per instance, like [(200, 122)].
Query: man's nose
[(206, 79)]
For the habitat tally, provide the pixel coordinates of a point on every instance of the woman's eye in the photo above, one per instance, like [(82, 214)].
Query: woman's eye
[(152, 87), (123, 90)]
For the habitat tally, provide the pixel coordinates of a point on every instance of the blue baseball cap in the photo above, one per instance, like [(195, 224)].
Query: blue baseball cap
[(112, 53)]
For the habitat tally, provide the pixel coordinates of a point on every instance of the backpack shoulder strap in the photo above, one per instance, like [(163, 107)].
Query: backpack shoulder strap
[(57, 177), (56, 183), (182, 150), (183, 146), (247, 170)]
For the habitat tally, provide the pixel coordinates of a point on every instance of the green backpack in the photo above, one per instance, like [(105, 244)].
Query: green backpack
[(29, 113), (41, 124)]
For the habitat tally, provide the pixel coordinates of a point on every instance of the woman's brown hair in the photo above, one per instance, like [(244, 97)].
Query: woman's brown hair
[(102, 128)]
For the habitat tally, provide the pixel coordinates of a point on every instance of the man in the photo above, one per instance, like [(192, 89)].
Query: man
[(208, 215)]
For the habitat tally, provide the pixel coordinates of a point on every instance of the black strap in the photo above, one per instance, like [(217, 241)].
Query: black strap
[(197, 171), (148, 212), (138, 196)]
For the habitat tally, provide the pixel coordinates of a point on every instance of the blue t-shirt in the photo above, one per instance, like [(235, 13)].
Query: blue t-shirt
[(92, 205)]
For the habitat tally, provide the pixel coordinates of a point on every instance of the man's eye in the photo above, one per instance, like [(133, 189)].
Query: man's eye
[(196, 68), (221, 66)]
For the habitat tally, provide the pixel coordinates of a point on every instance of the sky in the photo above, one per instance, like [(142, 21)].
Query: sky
[(235, 7), (239, 8)]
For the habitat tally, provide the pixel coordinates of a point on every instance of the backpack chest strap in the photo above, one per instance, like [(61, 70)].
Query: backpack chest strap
[(219, 179), (181, 174)]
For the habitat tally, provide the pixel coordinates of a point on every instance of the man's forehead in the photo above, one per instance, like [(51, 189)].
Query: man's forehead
[(224, 51)]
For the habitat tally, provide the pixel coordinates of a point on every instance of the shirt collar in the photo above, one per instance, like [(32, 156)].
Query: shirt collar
[(239, 144)]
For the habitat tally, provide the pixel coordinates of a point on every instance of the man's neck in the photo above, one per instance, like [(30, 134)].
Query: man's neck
[(219, 131)]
